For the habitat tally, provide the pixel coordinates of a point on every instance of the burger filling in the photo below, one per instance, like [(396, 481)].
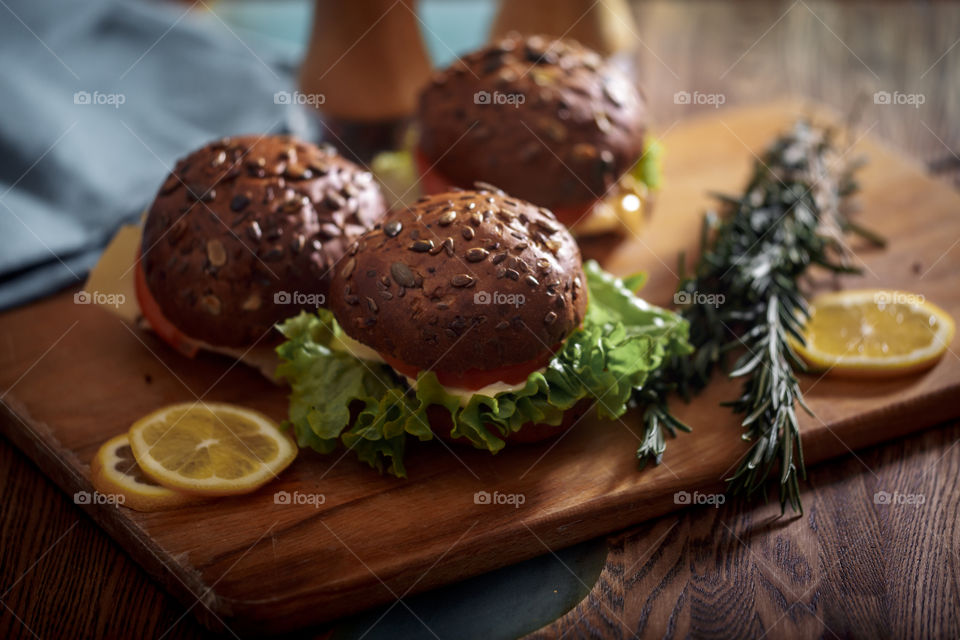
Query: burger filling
[(623, 207), (158, 322), (345, 392)]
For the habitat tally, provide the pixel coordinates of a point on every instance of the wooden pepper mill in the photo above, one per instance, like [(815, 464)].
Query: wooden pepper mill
[(607, 27), (368, 61)]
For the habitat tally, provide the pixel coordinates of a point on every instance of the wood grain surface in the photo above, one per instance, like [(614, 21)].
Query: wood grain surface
[(63, 577), (847, 568)]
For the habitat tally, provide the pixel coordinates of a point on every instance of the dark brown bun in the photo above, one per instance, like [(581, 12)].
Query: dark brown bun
[(463, 280), (244, 219), (579, 128)]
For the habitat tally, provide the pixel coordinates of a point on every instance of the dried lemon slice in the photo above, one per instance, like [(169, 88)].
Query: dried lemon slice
[(874, 332), (210, 449), (115, 471)]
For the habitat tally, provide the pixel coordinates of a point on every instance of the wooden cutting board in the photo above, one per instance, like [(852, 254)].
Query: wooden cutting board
[(73, 375)]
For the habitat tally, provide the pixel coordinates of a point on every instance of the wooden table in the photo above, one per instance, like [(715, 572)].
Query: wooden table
[(845, 568)]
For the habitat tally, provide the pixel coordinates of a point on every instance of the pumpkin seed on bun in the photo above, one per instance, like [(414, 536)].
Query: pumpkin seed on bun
[(244, 233)]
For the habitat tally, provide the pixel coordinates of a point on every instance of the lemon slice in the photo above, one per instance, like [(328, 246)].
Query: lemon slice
[(115, 472), (874, 332), (210, 449)]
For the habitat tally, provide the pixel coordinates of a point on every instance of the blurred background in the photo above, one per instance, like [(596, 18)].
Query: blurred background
[(833, 52)]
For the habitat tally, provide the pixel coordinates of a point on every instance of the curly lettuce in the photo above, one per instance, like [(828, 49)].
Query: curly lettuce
[(337, 398)]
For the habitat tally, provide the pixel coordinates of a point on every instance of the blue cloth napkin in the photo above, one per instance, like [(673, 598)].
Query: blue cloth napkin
[(97, 100)]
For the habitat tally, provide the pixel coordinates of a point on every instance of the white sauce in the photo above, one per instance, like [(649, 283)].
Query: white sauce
[(363, 352)]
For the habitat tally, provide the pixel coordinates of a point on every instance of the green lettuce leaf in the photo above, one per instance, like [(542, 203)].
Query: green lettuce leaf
[(649, 168), (336, 398)]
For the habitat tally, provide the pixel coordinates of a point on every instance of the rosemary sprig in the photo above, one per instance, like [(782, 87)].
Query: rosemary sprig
[(657, 418), (745, 296)]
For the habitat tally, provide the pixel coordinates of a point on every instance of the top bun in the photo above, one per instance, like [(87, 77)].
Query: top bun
[(246, 230), (546, 120), (462, 280)]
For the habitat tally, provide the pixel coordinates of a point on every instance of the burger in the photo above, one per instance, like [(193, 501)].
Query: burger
[(244, 233), (549, 121), (470, 317)]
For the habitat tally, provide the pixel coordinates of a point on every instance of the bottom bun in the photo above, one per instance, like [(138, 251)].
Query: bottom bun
[(441, 424)]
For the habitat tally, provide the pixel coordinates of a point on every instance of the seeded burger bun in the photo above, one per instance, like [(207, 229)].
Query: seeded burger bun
[(546, 120), (245, 232), (437, 286)]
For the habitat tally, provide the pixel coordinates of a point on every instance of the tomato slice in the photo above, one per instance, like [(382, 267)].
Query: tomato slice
[(160, 325), (569, 216), (432, 181), (478, 378)]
